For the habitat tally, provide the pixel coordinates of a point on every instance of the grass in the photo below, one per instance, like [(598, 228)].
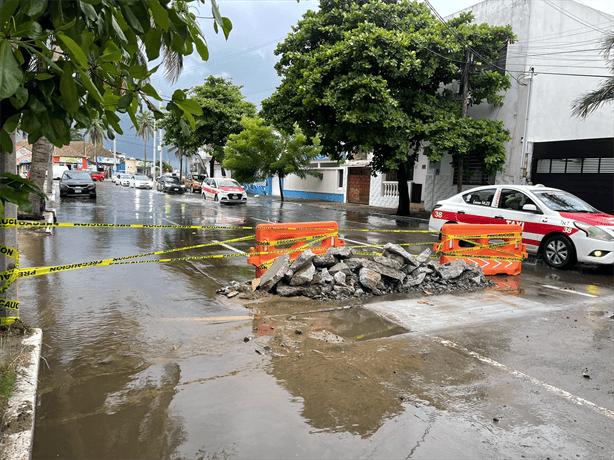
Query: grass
[(11, 351)]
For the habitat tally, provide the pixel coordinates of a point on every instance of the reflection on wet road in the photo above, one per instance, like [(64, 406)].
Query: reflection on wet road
[(124, 378)]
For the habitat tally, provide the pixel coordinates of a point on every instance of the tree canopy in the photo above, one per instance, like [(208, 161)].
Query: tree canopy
[(67, 63), (222, 105), (259, 151), (368, 76)]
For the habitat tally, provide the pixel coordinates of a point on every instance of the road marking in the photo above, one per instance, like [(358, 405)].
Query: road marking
[(228, 247), (262, 220), (557, 391), (568, 290), (359, 242)]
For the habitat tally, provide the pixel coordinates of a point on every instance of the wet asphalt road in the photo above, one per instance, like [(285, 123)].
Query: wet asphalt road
[(134, 368)]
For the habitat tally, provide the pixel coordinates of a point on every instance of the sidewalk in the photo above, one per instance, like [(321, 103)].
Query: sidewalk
[(416, 209)]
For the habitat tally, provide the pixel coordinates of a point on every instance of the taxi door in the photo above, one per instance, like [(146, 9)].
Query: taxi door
[(510, 211)]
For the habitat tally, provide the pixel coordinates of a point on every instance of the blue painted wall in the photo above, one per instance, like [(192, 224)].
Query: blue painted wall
[(336, 197)]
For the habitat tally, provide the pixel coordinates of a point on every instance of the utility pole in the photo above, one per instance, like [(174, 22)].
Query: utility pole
[(526, 177), (465, 104)]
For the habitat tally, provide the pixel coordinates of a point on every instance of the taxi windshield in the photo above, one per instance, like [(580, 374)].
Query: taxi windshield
[(560, 201), (227, 183)]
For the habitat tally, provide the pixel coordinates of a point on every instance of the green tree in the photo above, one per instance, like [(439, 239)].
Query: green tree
[(584, 106), (223, 106), (166, 167), (368, 76), (259, 151), (66, 63), (96, 131), (145, 129)]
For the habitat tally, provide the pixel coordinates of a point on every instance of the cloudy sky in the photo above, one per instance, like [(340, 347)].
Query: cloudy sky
[(247, 56)]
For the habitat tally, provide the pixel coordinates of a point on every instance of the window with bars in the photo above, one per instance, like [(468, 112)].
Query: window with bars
[(575, 166), (474, 173)]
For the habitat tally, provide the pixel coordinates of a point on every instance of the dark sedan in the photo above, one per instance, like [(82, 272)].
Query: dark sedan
[(77, 183), (170, 184)]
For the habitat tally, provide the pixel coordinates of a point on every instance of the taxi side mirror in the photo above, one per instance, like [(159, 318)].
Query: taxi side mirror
[(531, 208)]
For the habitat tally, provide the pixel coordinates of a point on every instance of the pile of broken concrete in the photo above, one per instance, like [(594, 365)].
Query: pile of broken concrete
[(340, 273)]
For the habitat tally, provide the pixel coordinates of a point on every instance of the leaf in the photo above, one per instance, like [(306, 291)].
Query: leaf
[(137, 72), (11, 76), (89, 85), (68, 89), (178, 95), (6, 142), (130, 17), (74, 50), (202, 49), (151, 92), (7, 11), (190, 106), (153, 38), (20, 98), (159, 14), (226, 27)]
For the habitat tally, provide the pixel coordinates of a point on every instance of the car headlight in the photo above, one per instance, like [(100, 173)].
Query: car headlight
[(594, 232)]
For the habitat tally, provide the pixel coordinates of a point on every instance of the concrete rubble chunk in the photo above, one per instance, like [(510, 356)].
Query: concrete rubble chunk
[(388, 262), (288, 291), (302, 260), (303, 276), (325, 260), (452, 269), (341, 266), (341, 252), (424, 256), (339, 278), (275, 272), (326, 276), (391, 255), (369, 278), (312, 290), (414, 281), (383, 270), (354, 263), (399, 251)]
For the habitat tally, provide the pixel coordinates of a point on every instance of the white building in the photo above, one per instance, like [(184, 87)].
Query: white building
[(554, 61)]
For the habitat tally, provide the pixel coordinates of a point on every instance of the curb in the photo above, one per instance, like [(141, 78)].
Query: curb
[(17, 445)]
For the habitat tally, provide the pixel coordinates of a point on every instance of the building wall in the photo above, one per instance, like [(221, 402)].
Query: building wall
[(314, 188), (553, 37)]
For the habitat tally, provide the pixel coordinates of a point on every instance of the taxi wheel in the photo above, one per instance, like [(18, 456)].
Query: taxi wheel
[(559, 252)]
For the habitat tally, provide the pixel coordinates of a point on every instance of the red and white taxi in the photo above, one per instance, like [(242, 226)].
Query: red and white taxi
[(223, 190), (556, 224)]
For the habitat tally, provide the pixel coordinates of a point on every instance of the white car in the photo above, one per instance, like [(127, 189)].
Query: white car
[(556, 224), (141, 181), (124, 179), (223, 190)]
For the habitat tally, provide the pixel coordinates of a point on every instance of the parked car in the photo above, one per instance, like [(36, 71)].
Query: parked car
[(124, 179), (115, 178), (170, 184), (556, 224), (96, 175), (77, 183), (223, 190), (193, 182), (57, 171), (141, 181)]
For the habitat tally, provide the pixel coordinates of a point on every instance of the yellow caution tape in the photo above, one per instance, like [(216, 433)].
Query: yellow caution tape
[(8, 320), (9, 304)]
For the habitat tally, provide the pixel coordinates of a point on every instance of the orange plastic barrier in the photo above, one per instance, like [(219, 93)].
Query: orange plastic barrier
[(498, 249), (315, 236)]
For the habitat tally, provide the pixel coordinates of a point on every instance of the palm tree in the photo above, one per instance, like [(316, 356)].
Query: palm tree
[(592, 100), (145, 129), (97, 134)]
